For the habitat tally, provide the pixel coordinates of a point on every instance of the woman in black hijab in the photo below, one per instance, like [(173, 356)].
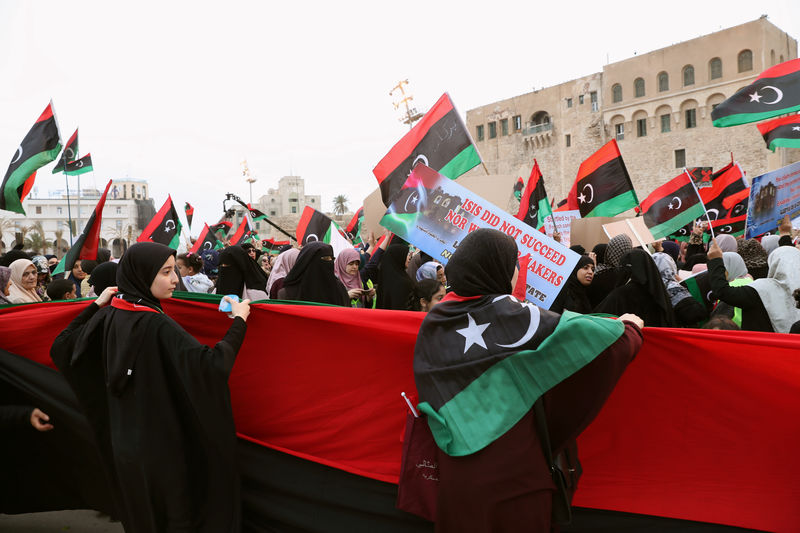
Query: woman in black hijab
[(104, 275), (644, 295), (575, 296), (312, 278), (157, 400), (395, 288), (239, 274)]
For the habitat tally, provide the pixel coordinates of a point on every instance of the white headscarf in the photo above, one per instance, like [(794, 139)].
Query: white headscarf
[(727, 243), (17, 294), (776, 289), (734, 265), (770, 243)]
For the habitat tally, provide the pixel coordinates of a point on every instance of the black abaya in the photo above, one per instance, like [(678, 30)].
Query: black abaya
[(159, 404)]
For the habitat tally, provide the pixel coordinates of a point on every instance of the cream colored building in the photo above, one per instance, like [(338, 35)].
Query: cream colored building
[(657, 105)]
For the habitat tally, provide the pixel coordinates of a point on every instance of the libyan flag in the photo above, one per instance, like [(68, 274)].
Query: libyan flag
[(727, 182), (731, 226), (440, 140), (518, 187), (87, 244), (40, 146), (243, 233), (315, 226), (80, 166), (353, 229), (411, 201), (533, 206), (494, 377), (603, 187), (165, 228), (272, 246), (189, 211), (206, 241), (672, 206), (776, 91), (69, 154), (784, 131)]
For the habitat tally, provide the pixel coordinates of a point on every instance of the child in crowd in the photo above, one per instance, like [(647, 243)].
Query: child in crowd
[(190, 266), (61, 289)]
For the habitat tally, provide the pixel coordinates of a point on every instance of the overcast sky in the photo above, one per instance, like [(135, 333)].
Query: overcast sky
[(179, 93)]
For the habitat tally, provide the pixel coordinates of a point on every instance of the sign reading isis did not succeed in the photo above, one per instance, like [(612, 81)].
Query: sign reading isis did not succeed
[(435, 213)]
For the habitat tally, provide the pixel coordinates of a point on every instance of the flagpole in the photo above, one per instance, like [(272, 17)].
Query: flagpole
[(638, 238), (69, 209), (701, 199), (78, 223)]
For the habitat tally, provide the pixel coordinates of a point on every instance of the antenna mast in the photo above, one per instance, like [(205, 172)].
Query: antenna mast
[(411, 114)]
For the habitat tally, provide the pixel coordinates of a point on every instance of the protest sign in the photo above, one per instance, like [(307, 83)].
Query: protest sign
[(563, 221), (435, 213), (772, 196), (634, 228)]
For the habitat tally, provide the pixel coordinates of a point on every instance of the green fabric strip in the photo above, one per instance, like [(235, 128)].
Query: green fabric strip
[(82, 170), (399, 223), (18, 177), (614, 206), (674, 224), (786, 143), (176, 240), (746, 118), (500, 397), (543, 210), (466, 159)]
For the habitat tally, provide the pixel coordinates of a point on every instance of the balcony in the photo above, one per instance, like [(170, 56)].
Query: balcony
[(534, 129)]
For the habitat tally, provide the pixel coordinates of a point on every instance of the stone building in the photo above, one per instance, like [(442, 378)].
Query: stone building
[(657, 105), (127, 211)]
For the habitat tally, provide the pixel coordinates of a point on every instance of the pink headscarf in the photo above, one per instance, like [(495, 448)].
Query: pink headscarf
[(283, 264), (699, 267), (350, 281)]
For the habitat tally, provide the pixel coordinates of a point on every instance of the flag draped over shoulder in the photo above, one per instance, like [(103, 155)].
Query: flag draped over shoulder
[(603, 187), (40, 146), (164, 228), (189, 211), (69, 154), (533, 205), (440, 140), (353, 229), (672, 206), (776, 91), (784, 131), (206, 241), (477, 341), (79, 166), (89, 241), (316, 226)]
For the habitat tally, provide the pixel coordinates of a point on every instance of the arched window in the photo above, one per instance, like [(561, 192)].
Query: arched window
[(715, 68), (771, 57), (638, 87), (663, 82), (688, 75), (616, 93), (745, 60)]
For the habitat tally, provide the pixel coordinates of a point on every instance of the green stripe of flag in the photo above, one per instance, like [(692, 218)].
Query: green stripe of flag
[(678, 221), (614, 206), (745, 118), (18, 177), (543, 211), (786, 143), (491, 404), (466, 159)]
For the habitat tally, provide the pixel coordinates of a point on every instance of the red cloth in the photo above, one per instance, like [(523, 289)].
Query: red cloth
[(702, 426)]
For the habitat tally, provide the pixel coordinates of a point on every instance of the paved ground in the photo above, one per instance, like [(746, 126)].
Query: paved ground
[(59, 521)]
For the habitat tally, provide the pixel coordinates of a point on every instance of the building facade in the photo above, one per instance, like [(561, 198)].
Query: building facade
[(283, 205), (657, 105), (46, 224)]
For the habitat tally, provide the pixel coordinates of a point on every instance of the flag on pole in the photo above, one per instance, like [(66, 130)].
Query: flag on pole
[(353, 229), (315, 226), (784, 131), (244, 232), (724, 183), (534, 207), (40, 146), (732, 225), (164, 228), (89, 241), (272, 246), (206, 241), (69, 154), (603, 187), (776, 91), (221, 228), (79, 166), (189, 211), (672, 206), (440, 140), (518, 188)]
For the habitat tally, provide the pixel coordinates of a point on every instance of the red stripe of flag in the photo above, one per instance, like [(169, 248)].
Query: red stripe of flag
[(768, 126), (735, 198), (782, 69), (302, 225), (156, 221), (92, 242), (666, 189), (533, 181)]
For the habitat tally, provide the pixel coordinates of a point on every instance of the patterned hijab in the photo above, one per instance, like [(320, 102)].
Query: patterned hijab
[(753, 254), (617, 247)]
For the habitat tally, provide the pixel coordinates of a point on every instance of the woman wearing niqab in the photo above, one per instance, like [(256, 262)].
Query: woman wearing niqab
[(240, 275), (312, 278), (644, 295), (157, 400), (492, 471), (395, 288)]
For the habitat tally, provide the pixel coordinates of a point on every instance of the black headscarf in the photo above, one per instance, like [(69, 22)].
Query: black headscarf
[(395, 288), (600, 252), (241, 271), (482, 264), (11, 256), (574, 296), (312, 279), (103, 255), (138, 268), (104, 275)]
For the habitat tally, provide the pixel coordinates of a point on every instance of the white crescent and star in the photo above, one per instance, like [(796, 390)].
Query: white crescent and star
[(18, 155), (207, 245), (726, 229), (532, 327), (169, 225), (778, 94), (715, 211), (795, 128), (473, 333), (679, 203), (308, 237), (413, 198), (69, 153), (582, 198)]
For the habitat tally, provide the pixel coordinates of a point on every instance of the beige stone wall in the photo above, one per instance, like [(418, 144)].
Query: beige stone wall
[(650, 159)]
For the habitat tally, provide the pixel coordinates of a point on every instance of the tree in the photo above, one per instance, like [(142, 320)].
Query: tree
[(57, 242), (35, 240), (6, 224), (340, 205)]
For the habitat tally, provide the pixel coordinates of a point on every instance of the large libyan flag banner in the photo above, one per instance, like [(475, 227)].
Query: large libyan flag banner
[(702, 426)]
